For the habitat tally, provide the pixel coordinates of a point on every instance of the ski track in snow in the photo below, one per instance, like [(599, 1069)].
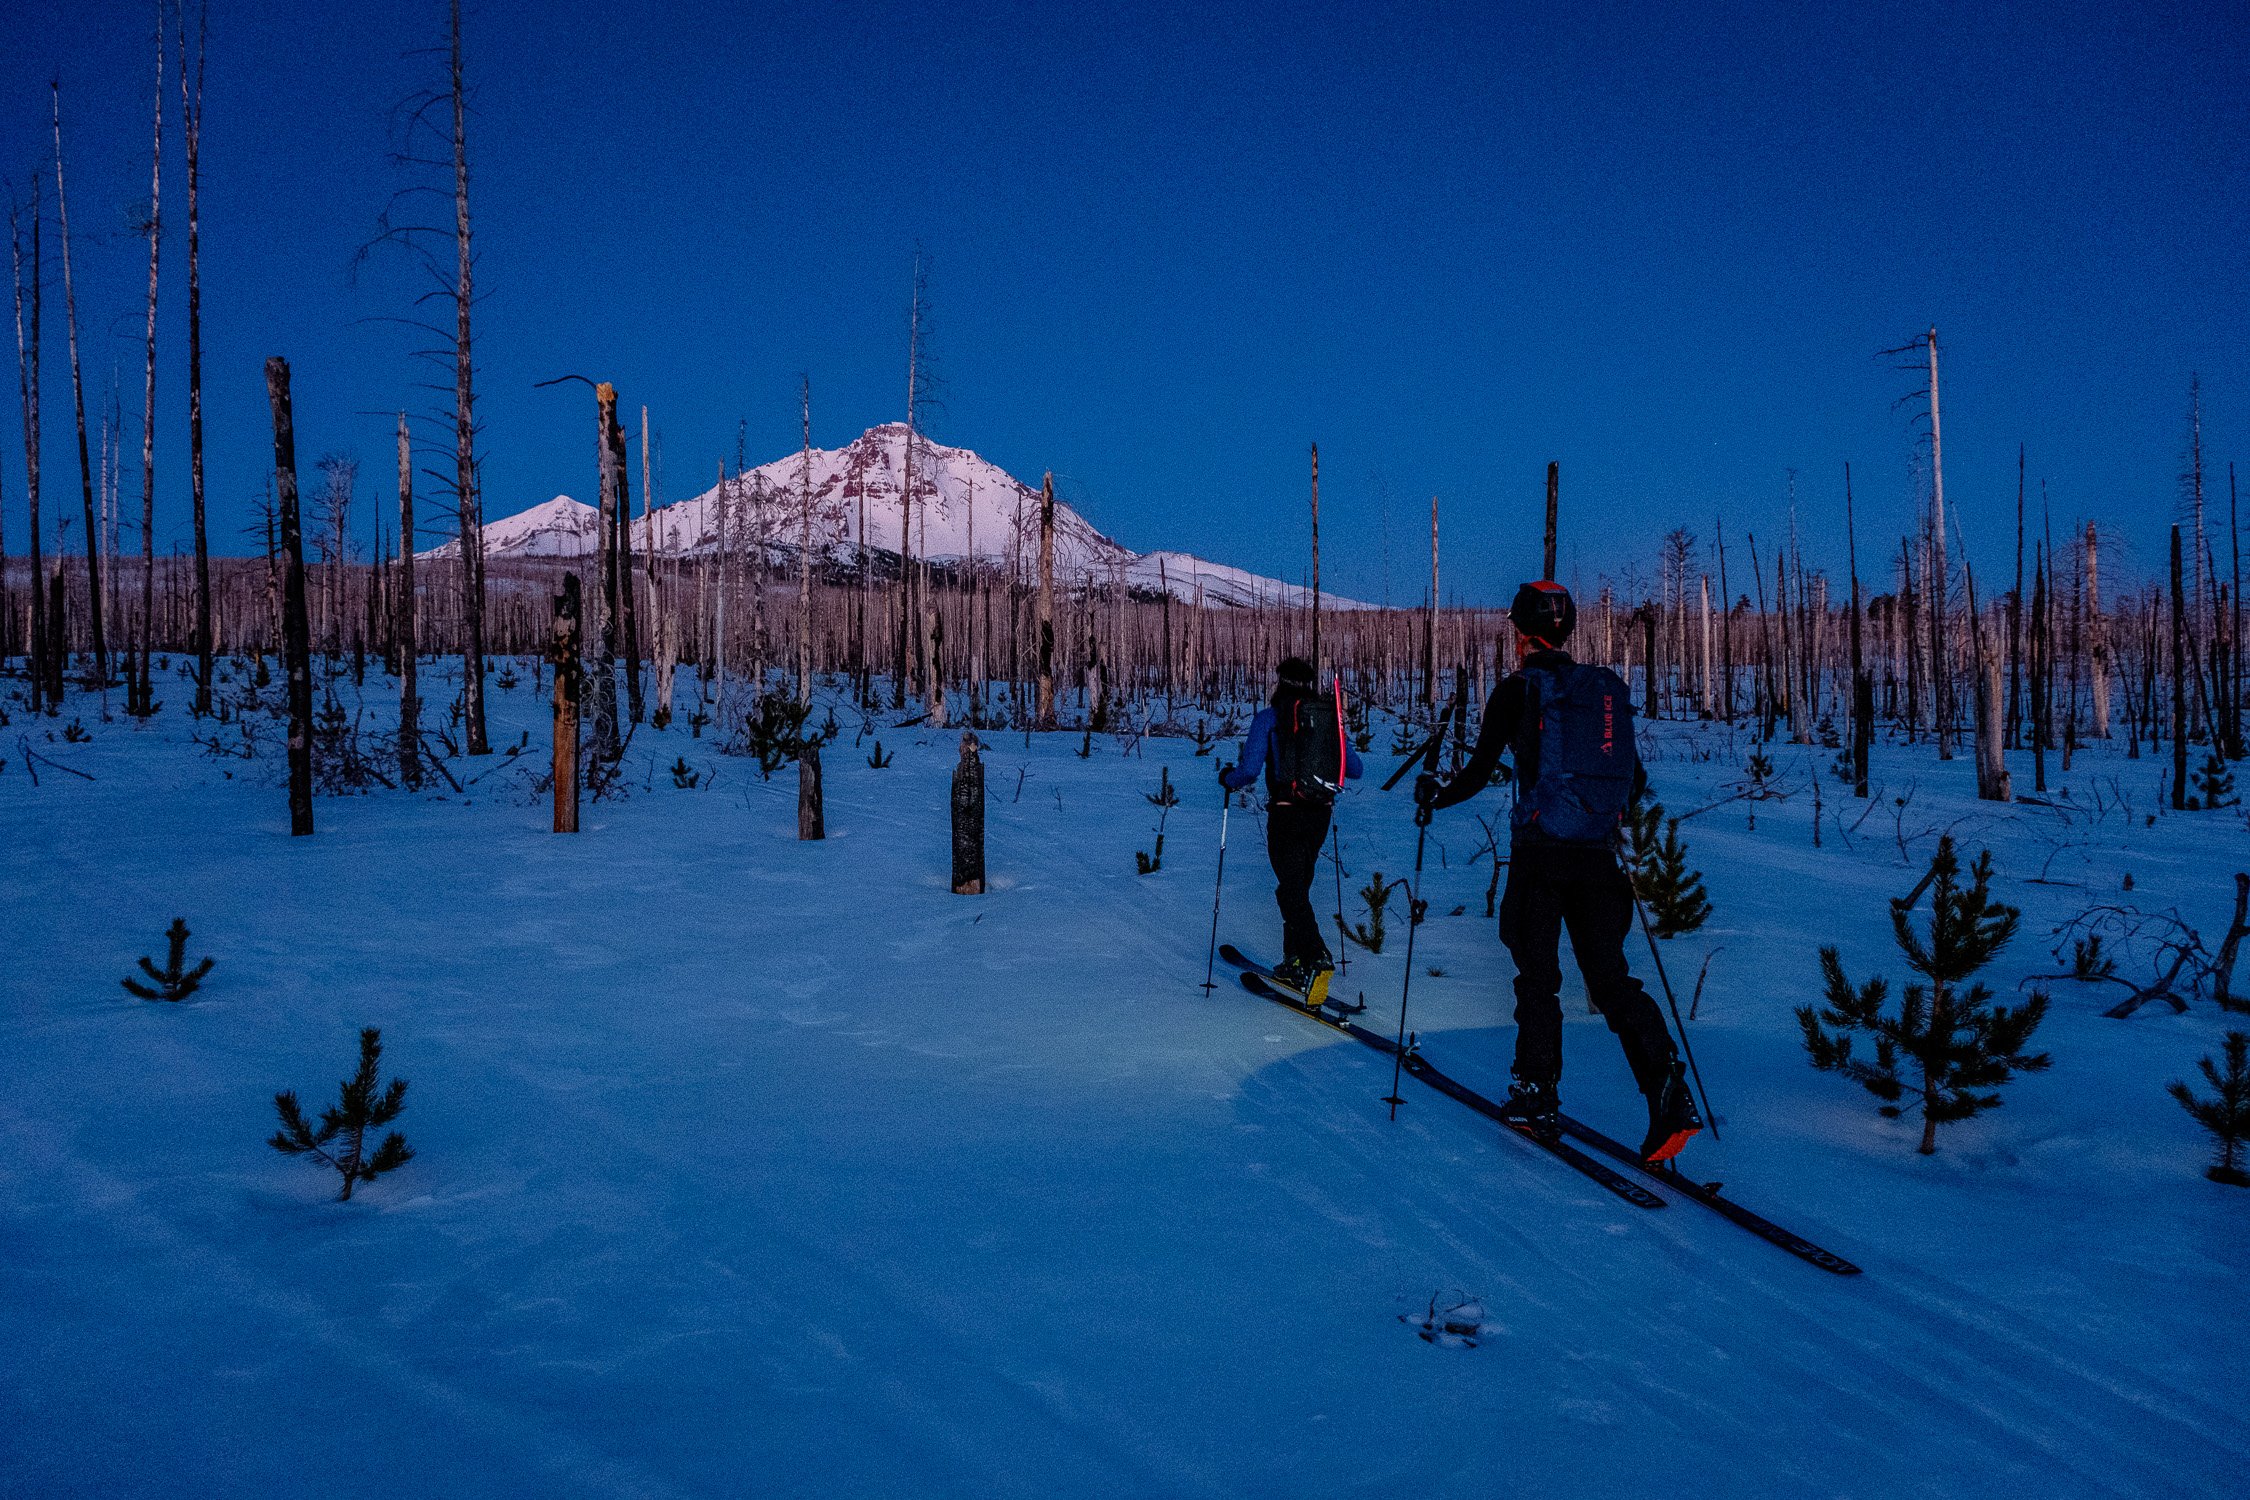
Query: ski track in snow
[(752, 1167)]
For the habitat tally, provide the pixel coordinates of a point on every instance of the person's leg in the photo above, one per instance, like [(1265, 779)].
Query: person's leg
[(1597, 904), (1293, 839), (1531, 927), (1314, 944)]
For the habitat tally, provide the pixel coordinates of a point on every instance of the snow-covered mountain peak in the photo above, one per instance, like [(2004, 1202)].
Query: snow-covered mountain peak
[(964, 507)]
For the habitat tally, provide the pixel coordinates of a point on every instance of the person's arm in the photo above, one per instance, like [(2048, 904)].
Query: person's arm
[(1498, 731), (1253, 753)]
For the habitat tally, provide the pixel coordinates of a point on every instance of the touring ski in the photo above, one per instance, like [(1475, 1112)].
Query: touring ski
[(1259, 980), (1708, 1195)]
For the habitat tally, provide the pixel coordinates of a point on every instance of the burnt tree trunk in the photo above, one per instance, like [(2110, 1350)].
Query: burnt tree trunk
[(27, 379), (467, 489), (2180, 670), (140, 694), (1554, 487), (100, 640), (296, 629), (968, 820), (191, 125), (563, 650), (1044, 716), (811, 808), (621, 558), (406, 644), (612, 481)]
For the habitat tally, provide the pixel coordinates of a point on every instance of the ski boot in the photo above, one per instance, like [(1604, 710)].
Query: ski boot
[(1535, 1107), (1298, 976), (1672, 1118)]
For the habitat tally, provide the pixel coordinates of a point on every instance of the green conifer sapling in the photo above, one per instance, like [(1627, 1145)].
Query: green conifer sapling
[(175, 981), (2227, 1115), (1958, 1044), (1661, 877), (341, 1139)]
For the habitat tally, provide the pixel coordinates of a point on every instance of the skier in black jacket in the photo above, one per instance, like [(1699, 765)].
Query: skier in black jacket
[(1562, 865), (1300, 745)]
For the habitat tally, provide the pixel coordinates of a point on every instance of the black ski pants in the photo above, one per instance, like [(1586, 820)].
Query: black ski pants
[(1552, 886), (1295, 832)]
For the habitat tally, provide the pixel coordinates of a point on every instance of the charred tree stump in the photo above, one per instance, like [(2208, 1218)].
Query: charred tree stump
[(296, 628), (968, 820), (811, 810), (563, 653), (2222, 968)]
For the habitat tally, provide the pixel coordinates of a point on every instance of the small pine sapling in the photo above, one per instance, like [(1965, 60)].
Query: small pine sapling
[(1661, 877), (175, 981), (1377, 894), (1201, 735), (2214, 785), (685, 776), (775, 734), (341, 1139), (1959, 1044), (1163, 799), (877, 760), (2227, 1115)]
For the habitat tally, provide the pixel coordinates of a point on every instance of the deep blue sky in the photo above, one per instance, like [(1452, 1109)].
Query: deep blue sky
[(1173, 245)]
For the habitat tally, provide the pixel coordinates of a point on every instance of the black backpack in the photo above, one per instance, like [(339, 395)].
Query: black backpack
[(1305, 761), (1581, 719)]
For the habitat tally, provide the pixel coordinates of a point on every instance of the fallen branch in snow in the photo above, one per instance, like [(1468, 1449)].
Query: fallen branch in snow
[(1697, 999), (432, 758), (32, 759), (2172, 948)]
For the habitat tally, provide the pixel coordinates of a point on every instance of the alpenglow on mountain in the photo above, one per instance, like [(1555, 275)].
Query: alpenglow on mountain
[(964, 506)]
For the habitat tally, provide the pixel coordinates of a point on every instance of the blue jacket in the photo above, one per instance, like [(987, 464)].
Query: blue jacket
[(1255, 746)]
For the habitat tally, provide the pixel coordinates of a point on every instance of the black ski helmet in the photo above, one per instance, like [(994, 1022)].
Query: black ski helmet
[(1544, 614), (1296, 671)]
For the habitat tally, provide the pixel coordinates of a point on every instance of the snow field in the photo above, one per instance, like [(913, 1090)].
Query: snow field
[(749, 1167)]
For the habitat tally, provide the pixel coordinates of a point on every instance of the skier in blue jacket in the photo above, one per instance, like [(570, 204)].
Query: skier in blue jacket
[(1301, 746)]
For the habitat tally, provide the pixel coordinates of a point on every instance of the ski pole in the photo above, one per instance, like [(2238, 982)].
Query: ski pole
[(1710, 1116), (1413, 921), (1343, 936), (1210, 962)]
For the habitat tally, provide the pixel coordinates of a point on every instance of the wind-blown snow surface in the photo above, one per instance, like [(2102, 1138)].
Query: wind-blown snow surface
[(965, 507), (752, 1167)]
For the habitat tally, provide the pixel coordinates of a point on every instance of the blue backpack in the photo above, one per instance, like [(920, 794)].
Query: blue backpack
[(1581, 721)]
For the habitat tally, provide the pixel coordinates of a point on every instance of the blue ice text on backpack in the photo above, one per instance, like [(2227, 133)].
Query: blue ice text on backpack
[(1584, 728)]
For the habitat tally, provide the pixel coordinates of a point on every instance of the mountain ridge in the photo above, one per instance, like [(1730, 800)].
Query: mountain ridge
[(965, 506)]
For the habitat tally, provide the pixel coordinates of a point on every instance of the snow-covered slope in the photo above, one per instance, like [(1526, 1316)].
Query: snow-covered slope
[(561, 527), (755, 1167), (964, 506)]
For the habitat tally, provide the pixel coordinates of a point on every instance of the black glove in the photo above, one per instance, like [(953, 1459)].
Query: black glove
[(1226, 769), (1426, 789)]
